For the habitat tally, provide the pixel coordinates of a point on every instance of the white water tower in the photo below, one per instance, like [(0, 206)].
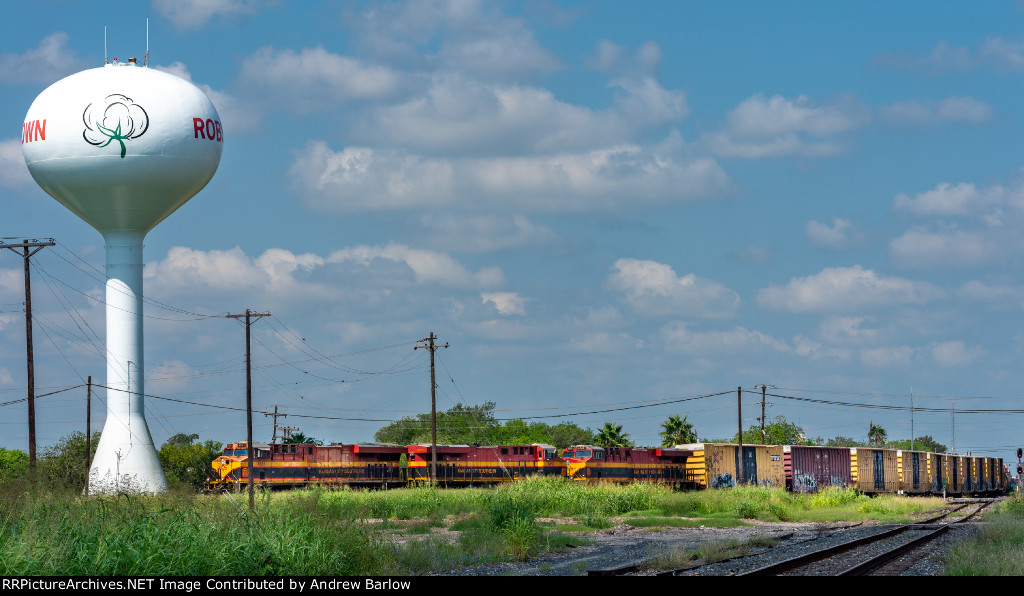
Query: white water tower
[(123, 146)]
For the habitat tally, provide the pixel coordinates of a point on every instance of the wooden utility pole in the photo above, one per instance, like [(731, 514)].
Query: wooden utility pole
[(287, 431), (763, 388), (739, 420), (248, 316), (26, 254), (433, 405), (276, 416), (88, 425)]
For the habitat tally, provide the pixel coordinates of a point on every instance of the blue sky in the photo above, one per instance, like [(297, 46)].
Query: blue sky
[(597, 205)]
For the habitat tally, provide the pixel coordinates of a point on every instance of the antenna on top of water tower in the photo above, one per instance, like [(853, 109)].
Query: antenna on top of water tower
[(145, 61)]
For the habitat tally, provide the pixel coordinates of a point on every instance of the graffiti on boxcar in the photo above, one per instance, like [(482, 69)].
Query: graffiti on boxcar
[(805, 483), (722, 481)]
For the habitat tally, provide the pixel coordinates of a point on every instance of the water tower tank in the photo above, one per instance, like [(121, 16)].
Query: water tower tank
[(123, 146)]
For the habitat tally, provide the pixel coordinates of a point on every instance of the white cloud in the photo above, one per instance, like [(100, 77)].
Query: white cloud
[(993, 52), (945, 199), (186, 269), (888, 357), (361, 179), (983, 292), (13, 171), (955, 353), (844, 330), (769, 127), (461, 115), (841, 289), (466, 36), (314, 79), (764, 117), (171, 376), (953, 109), (47, 63), (193, 14), (366, 274), (679, 338), (428, 266), (839, 236), (5, 376), (654, 289), (7, 319), (815, 350), (605, 343), (507, 303), (612, 59), (923, 248)]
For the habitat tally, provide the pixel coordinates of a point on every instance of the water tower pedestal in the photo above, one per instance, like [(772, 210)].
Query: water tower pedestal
[(126, 458)]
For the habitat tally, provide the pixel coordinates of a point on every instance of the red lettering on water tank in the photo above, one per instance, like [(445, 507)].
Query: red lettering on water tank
[(33, 131), (208, 129)]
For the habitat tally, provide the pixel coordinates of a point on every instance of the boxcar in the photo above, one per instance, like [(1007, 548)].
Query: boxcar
[(874, 470), (958, 471), (915, 475), (970, 466), (809, 469), (937, 472), (717, 465)]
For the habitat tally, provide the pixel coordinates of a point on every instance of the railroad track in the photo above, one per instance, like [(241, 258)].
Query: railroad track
[(864, 556)]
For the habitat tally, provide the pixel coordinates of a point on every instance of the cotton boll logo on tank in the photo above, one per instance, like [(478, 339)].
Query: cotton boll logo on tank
[(115, 118)]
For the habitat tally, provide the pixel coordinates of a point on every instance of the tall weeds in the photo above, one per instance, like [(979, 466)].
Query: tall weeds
[(54, 534)]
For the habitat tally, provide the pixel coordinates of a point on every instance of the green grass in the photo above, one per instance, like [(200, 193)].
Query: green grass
[(998, 550), (323, 532)]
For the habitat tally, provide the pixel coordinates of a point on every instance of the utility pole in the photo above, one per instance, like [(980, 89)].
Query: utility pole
[(276, 416), (739, 420), (433, 405), (248, 394), (88, 425), (763, 388), (952, 426), (37, 245), (911, 418), (286, 431)]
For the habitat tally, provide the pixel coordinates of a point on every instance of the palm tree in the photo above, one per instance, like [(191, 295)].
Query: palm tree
[(876, 435), (677, 431), (302, 439), (612, 436)]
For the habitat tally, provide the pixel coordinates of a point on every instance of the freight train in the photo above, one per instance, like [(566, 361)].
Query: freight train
[(693, 466)]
